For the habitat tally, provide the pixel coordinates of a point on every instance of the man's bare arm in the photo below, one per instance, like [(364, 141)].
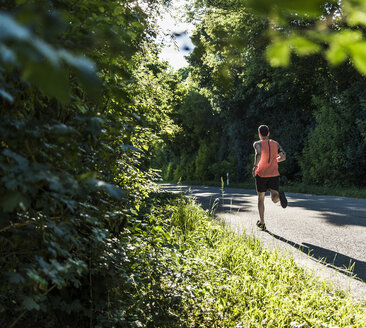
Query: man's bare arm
[(257, 156), (281, 154)]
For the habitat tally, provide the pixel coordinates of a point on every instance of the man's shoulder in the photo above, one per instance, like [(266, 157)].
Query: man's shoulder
[(256, 143), (280, 149)]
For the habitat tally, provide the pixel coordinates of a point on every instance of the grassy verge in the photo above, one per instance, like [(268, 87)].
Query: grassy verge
[(353, 192), (227, 280)]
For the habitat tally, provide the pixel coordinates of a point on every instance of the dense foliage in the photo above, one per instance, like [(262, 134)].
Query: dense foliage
[(77, 122), (315, 111), (85, 103)]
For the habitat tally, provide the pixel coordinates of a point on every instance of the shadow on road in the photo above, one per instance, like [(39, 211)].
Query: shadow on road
[(214, 199), (338, 211), (340, 262), (335, 210)]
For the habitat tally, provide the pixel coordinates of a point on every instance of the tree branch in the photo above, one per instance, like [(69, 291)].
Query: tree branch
[(16, 225)]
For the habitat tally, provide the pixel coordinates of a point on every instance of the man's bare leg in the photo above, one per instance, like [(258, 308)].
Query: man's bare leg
[(275, 196), (261, 196)]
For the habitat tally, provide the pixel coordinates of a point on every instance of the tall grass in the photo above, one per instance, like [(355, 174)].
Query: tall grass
[(229, 280)]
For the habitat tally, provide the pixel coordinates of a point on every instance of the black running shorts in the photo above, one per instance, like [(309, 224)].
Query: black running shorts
[(263, 184)]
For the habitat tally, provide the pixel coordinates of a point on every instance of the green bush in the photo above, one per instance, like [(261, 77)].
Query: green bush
[(203, 160), (75, 249), (168, 172), (184, 170), (332, 154), (220, 169)]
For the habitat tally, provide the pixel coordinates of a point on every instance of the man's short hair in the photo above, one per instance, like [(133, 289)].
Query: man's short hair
[(263, 130)]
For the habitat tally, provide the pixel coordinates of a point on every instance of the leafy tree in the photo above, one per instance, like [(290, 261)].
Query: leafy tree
[(71, 154), (241, 65), (334, 29), (244, 91), (334, 150)]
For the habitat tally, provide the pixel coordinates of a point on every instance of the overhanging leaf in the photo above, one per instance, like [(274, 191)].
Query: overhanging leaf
[(54, 82), (85, 70), (112, 190), (15, 278), (358, 54), (336, 54), (128, 147), (278, 53), (6, 95), (46, 51), (20, 160), (61, 129), (339, 45), (10, 29), (356, 17), (7, 55), (81, 63), (304, 46), (30, 304)]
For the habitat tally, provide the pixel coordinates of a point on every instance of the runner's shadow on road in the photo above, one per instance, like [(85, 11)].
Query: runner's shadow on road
[(340, 262)]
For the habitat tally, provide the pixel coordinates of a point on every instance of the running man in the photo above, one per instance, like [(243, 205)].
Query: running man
[(268, 153)]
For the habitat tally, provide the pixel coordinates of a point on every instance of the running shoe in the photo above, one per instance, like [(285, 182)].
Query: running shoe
[(261, 226), (283, 199)]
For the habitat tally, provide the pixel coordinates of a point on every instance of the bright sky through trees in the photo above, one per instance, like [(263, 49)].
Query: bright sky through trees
[(175, 36)]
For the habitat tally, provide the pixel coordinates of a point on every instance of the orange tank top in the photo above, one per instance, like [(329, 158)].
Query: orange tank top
[(268, 165)]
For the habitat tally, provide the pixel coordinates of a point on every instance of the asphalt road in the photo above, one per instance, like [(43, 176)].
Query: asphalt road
[(324, 234)]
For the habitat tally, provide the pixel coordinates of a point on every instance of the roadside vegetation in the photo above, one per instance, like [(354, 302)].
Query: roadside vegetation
[(89, 113), (218, 278)]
